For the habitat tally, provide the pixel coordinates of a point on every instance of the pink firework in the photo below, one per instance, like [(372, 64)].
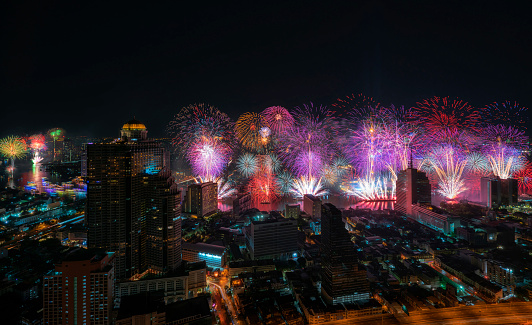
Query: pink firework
[(278, 119)]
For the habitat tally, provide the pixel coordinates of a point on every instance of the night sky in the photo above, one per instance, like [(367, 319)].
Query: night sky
[(88, 68)]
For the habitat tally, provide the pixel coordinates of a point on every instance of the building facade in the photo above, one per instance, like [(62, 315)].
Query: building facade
[(213, 255), (412, 187), (201, 199), (312, 206), (80, 291), (133, 205), (272, 238), (344, 280)]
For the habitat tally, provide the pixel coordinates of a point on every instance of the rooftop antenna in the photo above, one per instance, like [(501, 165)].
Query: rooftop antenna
[(410, 162)]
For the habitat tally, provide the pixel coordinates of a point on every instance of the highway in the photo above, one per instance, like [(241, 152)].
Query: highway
[(38, 233), (507, 313)]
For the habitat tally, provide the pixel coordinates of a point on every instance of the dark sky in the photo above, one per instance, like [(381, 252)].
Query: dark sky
[(88, 68)]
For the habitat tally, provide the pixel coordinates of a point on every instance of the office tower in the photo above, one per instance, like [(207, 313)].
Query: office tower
[(201, 199), (241, 203), (343, 280), (412, 187), (132, 203), (490, 191), (80, 291), (495, 191), (312, 206), (292, 211), (271, 238), (509, 191)]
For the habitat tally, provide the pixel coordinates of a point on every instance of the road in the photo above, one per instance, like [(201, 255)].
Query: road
[(36, 234), (514, 313), (228, 301)]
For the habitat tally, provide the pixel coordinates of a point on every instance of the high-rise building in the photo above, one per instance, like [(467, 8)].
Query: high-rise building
[(133, 204), (80, 290), (201, 199), (292, 211), (343, 279), (495, 191), (271, 238), (312, 206), (412, 187)]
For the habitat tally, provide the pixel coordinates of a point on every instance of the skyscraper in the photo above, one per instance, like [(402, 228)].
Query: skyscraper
[(412, 187), (132, 203), (80, 291), (201, 199), (343, 280)]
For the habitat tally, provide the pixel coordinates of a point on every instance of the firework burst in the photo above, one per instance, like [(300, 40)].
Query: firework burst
[(247, 164), (278, 118), (443, 118), (307, 185), (264, 188), (248, 131), (13, 147), (447, 164), (200, 120), (208, 157), (507, 113)]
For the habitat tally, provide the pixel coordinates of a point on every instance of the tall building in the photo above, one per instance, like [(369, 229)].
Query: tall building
[(133, 203), (201, 199), (80, 291), (343, 279), (312, 206), (412, 187), (495, 191), (292, 211), (271, 238)]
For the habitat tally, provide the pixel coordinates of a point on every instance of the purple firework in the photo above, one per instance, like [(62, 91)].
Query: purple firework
[(208, 157)]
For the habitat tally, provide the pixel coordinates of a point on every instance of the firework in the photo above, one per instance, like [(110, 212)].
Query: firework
[(499, 134), (247, 164), (356, 106), (208, 157), (507, 113), (200, 120), (443, 118), (248, 131), (285, 181), (504, 161), (307, 185), (309, 145), (373, 188), (55, 134), (225, 189), (278, 118), (478, 163), (13, 147), (269, 163), (264, 188), (524, 178), (332, 173), (37, 144), (449, 168)]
